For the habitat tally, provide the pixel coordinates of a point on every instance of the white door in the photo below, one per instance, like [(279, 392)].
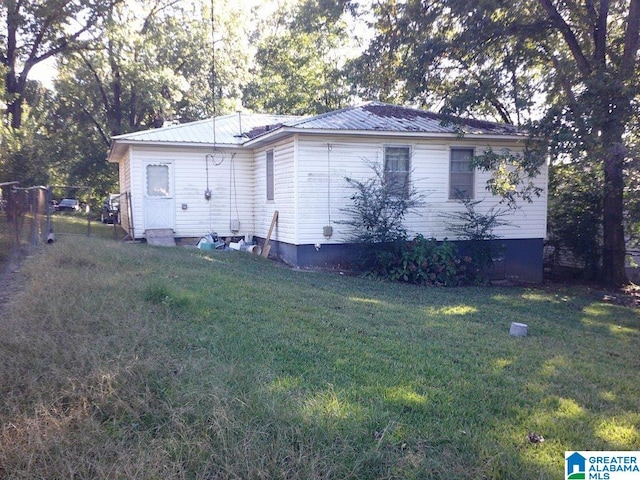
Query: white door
[(159, 204)]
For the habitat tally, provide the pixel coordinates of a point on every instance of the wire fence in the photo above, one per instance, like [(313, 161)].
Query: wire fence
[(31, 216), (24, 219)]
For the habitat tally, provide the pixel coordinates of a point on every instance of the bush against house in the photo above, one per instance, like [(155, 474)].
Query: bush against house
[(477, 231), (380, 205), (423, 261), (377, 215)]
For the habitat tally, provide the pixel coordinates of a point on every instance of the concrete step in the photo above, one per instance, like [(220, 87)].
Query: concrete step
[(161, 236)]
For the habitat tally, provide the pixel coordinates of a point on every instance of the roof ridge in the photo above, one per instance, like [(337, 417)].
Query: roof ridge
[(446, 118), (324, 115)]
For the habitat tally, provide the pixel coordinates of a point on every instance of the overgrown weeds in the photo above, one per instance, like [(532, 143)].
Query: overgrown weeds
[(129, 361)]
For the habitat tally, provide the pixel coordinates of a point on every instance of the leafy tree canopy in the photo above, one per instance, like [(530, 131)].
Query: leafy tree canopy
[(151, 64), (299, 61), (32, 31)]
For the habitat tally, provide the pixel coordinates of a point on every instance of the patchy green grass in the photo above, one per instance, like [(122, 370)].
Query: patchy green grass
[(15, 244), (5, 242), (129, 361), (78, 224)]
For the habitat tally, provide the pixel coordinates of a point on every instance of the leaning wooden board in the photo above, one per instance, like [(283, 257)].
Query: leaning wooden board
[(267, 247)]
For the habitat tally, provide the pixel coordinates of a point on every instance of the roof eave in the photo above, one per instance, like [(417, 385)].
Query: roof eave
[(285, 131), (116, 151), (119, 146)]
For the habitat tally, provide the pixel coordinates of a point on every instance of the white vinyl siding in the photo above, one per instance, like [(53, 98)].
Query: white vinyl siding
[(323, 193), (230, 182), (310, 187), (284, 192), (124, 175)]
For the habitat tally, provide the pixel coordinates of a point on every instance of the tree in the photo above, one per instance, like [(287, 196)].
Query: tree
[(33, 31), (632, 193), (151, 66), (24, 151), (574, 62), (575, 214), (298, 63), (602, 58)]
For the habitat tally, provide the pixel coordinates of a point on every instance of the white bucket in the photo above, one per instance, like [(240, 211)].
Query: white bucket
[(255, 249)]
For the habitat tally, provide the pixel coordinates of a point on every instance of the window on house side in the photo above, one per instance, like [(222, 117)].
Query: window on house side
[(461, 173), (157, 180), (396, 169), (270, 182)]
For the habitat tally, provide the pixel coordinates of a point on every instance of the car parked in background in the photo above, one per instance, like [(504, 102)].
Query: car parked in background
[(111, 209), (68, 205)]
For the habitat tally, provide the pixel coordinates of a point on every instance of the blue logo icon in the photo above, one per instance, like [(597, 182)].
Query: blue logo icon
[(576, 466)]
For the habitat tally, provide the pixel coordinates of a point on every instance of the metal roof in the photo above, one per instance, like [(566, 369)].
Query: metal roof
[(371, 118), (229, 129), (382, 117)]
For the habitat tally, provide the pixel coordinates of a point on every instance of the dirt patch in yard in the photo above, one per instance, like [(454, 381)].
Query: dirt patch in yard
[(628, 296)]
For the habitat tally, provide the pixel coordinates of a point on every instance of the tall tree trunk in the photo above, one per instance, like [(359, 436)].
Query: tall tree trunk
[(115, 112), (614, 246), (12, 80), (613, 111), (15, 86), (14, 110)]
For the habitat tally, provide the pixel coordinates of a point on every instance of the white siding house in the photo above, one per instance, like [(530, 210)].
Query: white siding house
[(254, 165)]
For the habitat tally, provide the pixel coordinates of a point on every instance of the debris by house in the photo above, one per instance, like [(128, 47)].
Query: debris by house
[(267, 246), (245, 247), (211, 241)]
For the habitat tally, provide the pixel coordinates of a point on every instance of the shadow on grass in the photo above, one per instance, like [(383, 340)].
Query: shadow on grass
[(210, 365), (428, 381)]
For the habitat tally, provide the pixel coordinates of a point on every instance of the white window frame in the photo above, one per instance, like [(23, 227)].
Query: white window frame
[(454, 170), (270, 174), (391, 168), (157, 184)]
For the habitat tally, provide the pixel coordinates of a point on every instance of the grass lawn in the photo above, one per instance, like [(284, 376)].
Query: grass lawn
[(128, 361), (13, 243), (77, 224)]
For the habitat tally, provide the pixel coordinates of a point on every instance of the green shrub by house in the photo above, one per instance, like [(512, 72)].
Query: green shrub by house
[(423, 261)]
